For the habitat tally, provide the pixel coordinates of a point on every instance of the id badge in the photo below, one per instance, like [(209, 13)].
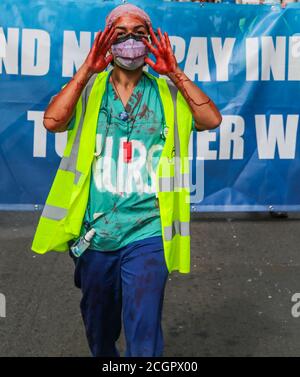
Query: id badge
[(127, 151)]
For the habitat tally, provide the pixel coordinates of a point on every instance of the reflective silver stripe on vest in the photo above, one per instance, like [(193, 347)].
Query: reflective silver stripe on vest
[(77, 176), (166, 184), (53, 212), (179, 180), (174, 90), (185, 180), (69, 163), (177, 227)]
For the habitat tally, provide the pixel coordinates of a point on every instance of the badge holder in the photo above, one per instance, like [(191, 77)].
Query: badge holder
[(127, 151)]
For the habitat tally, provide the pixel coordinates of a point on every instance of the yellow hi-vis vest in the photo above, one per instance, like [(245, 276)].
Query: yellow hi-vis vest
[(64, 210)]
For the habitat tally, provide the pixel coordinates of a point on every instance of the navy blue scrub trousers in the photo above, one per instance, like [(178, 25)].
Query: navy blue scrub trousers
[(131, 279)]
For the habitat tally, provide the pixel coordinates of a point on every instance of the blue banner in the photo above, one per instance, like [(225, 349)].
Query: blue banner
[(245, 57)]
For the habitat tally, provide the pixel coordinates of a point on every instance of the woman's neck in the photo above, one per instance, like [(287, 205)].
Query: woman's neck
[(125, 78)]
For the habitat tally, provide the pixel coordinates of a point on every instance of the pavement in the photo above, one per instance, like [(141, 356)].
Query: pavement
[(235, 302)]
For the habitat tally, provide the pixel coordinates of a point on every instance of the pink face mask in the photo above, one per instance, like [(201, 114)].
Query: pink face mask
[(129, 54)]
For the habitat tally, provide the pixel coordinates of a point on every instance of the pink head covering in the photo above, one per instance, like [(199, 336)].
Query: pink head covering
[(123, 9)]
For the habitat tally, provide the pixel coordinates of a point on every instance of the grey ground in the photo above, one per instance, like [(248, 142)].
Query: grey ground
[(235, 302)]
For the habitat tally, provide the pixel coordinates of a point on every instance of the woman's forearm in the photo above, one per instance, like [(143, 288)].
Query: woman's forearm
[(205, 112), (61, 108)]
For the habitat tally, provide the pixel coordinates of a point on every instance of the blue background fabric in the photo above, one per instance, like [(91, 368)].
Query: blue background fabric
[(245, 57)]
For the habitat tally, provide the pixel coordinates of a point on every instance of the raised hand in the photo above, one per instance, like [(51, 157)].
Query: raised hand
[(97, 60), (165, 60)]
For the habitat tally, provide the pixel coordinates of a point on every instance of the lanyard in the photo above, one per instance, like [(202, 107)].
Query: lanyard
[(137, 111), (164, 125)]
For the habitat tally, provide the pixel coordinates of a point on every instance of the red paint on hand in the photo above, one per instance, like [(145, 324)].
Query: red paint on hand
[(97, 59), (165, 58)]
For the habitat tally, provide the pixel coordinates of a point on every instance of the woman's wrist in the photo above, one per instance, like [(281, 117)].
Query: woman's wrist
[(174, 75), (86, 71)]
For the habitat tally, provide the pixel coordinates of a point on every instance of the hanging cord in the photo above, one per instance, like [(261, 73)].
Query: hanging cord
[(131, 128)]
